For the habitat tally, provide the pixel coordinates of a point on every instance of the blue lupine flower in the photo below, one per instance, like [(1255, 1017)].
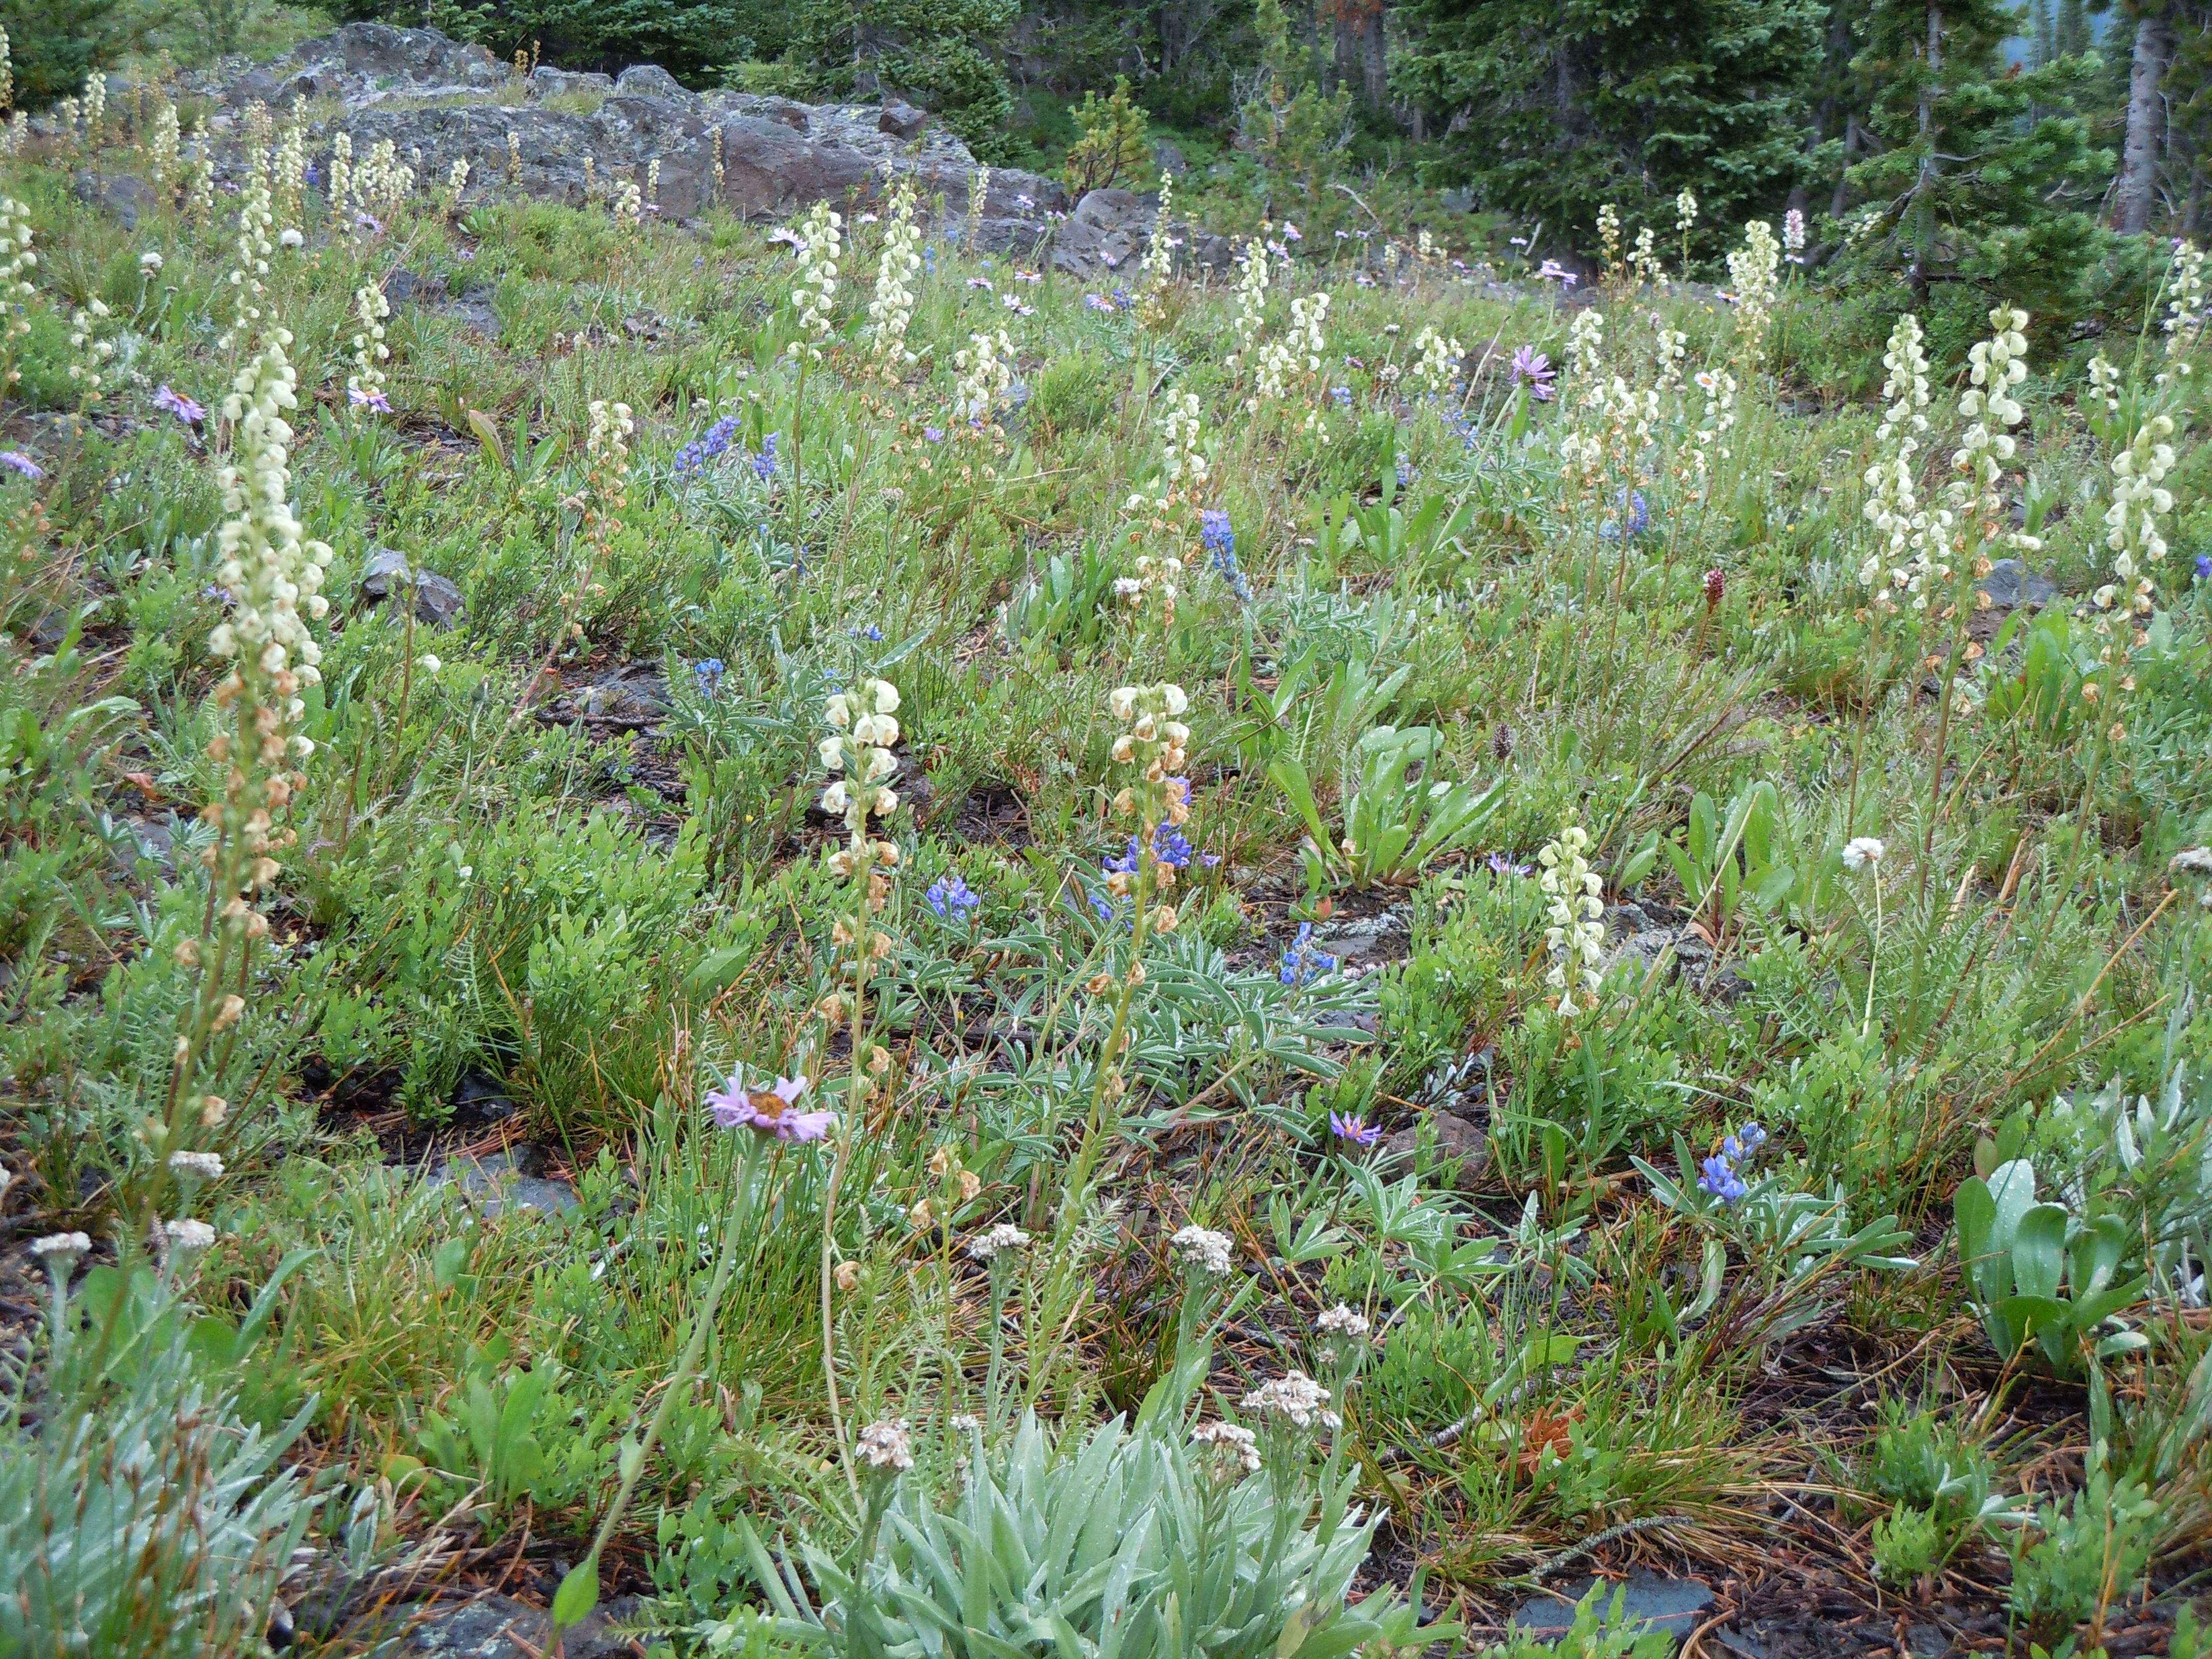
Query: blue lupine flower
[(929, 258), (1406, 472), (765, 463), (1638, 513), (870, 633), (1127, 864), (1122, 299), (710, 672), (1343, 396), (711, 444), (1219, 538), (1170, 847), (949, 896), (2204, 566), (1719, 1180), (1302, 963)]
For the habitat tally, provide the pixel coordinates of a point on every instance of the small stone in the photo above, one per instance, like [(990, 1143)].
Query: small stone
[(2011, 584), (501, 1627), (651, 81), (497, 1183), (902, 120), (122, 196), (550, 82), (1673, 1605), (1169, 159), (1456, 1139), (437, 600)]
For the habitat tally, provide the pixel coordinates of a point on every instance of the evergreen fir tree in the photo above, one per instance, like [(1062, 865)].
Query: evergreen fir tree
[(1550, 107), (943, 52)]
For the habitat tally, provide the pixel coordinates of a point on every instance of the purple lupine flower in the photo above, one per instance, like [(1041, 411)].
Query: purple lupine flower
[(1303, 965), (765, 463), (17, 461), (1719, 1180), (1219, 538), (2204, 566), (710, 672), (1170, 847), (1348, 1126), (710, 446), (178, 404), (1533, 366)]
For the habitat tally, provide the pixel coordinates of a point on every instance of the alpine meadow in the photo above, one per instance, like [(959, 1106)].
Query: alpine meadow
[(1094, 830)]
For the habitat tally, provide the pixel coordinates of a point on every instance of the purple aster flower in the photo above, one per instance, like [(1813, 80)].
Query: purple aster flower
[(17, 461), (1501, 866), (934, 434), (1350, 1128), (735, 1106), (1533, 366), (179, 405), (368, 223), (1097, 302), (375, 400)]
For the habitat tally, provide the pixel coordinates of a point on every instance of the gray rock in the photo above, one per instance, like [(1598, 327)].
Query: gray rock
[(902, 120), (437, 600), (255, 86), (122, 194), (405, 287), (1169, 159), (1456, 1139), (501, 1627), (651, 81), (1673, 1605), (496, 1182), (2010, 583), (550, 82)]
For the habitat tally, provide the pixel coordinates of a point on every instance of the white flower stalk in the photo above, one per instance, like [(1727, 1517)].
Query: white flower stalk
[(1438, 356), (857, 754), (1203, 1249), (1753, 269), (627, 202), (985, 376), (1904, 529), (1686, 220), (338, 193), (164, 148), (1183, 469), (1997, 367), (95, 106), (1644, 260), (1158, 267), (88, 353), (17, 259), (1793, 233), (365, 386), (1575, 910), (199, 176), (815, 294), (1713, 435), (1251, 301), (2105, 383), (1295, 1398), (1904, 392), (271, 570), (7, 99), (256, 219), (2184, 309), (289, 168), (1001, 1239), (1585, 348), (652, 181), (891, 314), (1862, 856), (514, 153), (978, 202), (18, 128), (2140, 500), (457, 179), (1670, 350), (1609, 242)]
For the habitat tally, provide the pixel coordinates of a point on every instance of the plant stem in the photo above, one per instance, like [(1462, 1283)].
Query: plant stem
[(853, 1100), (1086, 1156), (1874, 961)]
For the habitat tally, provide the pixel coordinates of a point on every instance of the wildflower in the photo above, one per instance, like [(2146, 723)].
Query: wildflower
[(196, 1166), (178, 404), (1439, 355), (710, 672), (1343, 1321), (934, 434), (736, 1107), (1752, 268), (1577, 932), (1352, 1128), (1004, 1236), (375, 400), (1862, 852), (1302, 965), (290, 239), (1241, 1445), (1744, 1146), (1295, 1397), (949, 896), (886, 1446), (1553, 271), (2204, 566), (188, 1234), (1341, 396), (1501, 866), (815, 293), (984, 376), (1715, 586), (1200, 1248), (1638, 514), (59, 1253), (149, 262), (1533, 366), (1719, 1180), (711, 444), (17, 461), (983, 283)]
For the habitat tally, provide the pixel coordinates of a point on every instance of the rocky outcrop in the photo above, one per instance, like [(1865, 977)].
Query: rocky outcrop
[(438, 102)]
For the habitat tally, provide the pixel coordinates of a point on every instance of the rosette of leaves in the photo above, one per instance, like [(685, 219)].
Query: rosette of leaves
[(2040, 1273)]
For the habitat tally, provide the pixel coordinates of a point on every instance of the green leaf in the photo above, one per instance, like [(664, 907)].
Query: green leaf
[(2039, 1251), (578, 1594)]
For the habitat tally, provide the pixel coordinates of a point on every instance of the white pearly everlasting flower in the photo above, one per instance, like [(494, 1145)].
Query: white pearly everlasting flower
[(1343, 1320), (1004, 1236), (885, 1445), (1575, 909), (197, 1166), (1242, 1445), (185, 1233), (1203, 1249), (61, 1251), (1294, 1397), (1862, 852)]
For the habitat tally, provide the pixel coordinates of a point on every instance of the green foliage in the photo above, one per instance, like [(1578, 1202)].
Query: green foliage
[(2089, 1553), (1115, 148), (2042, 1273), (55, 44), (941, 52), (1603, 1629)]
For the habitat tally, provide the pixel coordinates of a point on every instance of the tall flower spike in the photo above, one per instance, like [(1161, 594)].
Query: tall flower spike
[(815, 294), (1575, 910), (891, 310)]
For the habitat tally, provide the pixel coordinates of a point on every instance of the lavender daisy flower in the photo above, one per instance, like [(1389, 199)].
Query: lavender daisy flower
[(1533, 366), (375, 400), (1501, 866), (178, 404), (735, 1106), (17, 461), (934, 434), (1350, 1128)]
